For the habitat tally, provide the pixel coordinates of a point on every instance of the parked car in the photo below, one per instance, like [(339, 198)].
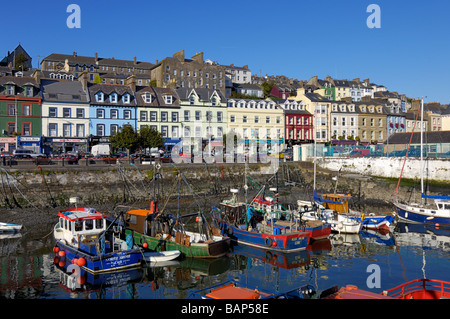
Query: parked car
[(71, 159)]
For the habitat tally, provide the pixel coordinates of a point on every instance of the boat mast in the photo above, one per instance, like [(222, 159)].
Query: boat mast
[(315, 144), (421, 147)]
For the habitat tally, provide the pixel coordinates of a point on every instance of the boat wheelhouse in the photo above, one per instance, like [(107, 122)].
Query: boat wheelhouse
[(160, 233), (82, 236)]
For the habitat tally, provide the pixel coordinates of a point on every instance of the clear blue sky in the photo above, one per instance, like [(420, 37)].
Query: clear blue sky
[(296, 38)]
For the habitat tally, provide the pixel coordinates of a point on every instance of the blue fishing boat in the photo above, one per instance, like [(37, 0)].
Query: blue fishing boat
[(82, 237), (234, 220)]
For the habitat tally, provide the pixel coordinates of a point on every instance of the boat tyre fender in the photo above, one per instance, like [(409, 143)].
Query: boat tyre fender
[(229, 231), (141, 240), (340, 225), (269, 256), (268, 241)]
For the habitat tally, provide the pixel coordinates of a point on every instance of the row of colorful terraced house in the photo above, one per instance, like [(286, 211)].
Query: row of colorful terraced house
[(52, 111)]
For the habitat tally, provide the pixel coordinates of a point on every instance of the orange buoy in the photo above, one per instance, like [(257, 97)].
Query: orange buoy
[(56, 249), (56, 259), (145, 245), (74, 261), (436, 225), (81, 280), (62, 253), (62, 263), (81, 262), (274, 243)]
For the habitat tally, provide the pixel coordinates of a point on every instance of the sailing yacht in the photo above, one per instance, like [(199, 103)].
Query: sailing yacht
[(437, 215)]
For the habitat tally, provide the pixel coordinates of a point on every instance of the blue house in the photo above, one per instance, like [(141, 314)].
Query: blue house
[(396, 119), (112, 106)]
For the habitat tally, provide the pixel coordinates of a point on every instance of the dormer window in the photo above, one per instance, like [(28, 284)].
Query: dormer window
[(147, 97), (214, 101), (113, 98), (126, 98), (28, 91), (11, 89), (192, 100), (168, 99), (100, 97)]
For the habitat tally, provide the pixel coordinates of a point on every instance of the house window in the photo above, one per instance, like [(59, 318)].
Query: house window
[(114, 128), (52, 129), (143, 116), (147, 97), (186, 116), (66, 129), (100, 113), (100, 129), (113, 98), (164, 131), (268, 119), (164, 117), (174, 116), (99, 97), (29, 91), (52, 112), (187, 131), (26, 129), (244, 119), (11, 109), (80, 113), (80, 130), (66, 112), (11, 90), (127, 114), (174, 131), (256, 119), (26, 110), (219, 131), (114, 114), (126, 98), (197, 115), (153, 116), (219, 117), (168, 99), (209, 116), (232, 118)]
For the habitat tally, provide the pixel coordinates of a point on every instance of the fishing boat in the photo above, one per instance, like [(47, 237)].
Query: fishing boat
[(415, 289), (437, 214), (238, 222), (9, 228), (163, 232), (340, 204), (232, 289), (340, 223), (82, 236), (283, 218)]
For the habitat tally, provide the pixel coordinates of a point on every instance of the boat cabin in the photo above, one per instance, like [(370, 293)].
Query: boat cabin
[(336, 202), (82, 221)]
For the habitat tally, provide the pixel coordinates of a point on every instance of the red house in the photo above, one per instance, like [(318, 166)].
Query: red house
[(298, 123)]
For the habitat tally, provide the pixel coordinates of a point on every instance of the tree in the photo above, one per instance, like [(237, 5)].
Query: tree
[(125, 137), (98, 79), (149, 137), (267, 86), (20, 62)]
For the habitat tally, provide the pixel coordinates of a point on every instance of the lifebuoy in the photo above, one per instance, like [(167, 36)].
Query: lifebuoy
[(268, 241), (230, 231)]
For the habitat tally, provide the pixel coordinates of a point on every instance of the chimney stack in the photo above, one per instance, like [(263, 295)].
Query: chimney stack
[(74, 54), (96, 56), (84, 79), (131, 82), (135, 61)]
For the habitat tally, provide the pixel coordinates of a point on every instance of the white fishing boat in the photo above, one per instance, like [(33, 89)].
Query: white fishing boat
[(161, 256), (9, 228), (339, 222), (436, 214)]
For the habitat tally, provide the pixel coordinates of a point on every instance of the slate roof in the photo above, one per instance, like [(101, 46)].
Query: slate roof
[(63, 91), (157, 97), (19, 82), (107, 90), (89, 61), (203, 94), (428, 137)]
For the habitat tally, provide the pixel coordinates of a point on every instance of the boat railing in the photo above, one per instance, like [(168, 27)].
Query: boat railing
[(438, 287)]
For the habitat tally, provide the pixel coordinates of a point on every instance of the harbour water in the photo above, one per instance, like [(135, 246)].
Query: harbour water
[(28, 270)]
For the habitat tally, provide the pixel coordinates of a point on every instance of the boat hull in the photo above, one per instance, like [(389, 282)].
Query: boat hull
[(103, 263), (214, 249), (377, 222), (426, 217), (293, 241), (9, 228)]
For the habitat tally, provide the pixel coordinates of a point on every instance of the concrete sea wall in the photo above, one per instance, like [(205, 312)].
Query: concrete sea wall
[(434, 169)]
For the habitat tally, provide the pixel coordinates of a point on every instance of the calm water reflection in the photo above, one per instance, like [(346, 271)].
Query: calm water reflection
[(28, 269)]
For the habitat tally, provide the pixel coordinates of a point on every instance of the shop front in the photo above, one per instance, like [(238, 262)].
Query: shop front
[(61, 145), (7, 144)]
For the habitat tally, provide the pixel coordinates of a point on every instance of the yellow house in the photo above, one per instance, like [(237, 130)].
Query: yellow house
[(256, 120), (320, 107)]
